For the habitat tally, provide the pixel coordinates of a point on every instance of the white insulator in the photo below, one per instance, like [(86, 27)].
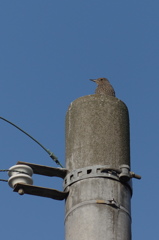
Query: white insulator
[(20, 178), (20, 168), (20, 174)]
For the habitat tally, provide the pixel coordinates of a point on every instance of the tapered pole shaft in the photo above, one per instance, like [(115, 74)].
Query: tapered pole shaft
[(97, 134)]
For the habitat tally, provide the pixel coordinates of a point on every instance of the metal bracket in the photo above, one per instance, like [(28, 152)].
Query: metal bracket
[(122, 174), (46, 171), (96, 171), (41, 191)]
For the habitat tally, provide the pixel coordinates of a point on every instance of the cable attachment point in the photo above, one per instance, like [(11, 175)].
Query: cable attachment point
[(54, 158), (52, 155)]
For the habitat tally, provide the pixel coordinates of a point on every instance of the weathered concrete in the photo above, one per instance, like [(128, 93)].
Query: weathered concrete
[(97, 133)]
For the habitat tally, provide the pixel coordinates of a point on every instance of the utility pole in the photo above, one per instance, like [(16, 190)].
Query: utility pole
[(97, 178), (98, 160)]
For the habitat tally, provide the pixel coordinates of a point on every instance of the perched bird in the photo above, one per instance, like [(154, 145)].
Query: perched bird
[(104, 87)]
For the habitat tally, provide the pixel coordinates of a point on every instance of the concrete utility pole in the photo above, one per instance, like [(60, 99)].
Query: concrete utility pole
[(98, 158), (97, 177)]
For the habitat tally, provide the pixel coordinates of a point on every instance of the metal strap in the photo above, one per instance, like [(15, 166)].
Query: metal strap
[(111, 203), (93, 172)]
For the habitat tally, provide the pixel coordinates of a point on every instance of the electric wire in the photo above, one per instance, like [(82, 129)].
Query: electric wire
[(3, 180), (7, 170), (4, 170), (51, 154)]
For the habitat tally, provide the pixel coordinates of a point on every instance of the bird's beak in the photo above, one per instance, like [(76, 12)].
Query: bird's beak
[(94, 80)]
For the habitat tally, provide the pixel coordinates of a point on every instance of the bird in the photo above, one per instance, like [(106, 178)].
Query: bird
[(104, 87)]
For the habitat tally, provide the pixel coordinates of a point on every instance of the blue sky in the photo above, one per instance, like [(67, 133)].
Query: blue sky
[(48, 51)]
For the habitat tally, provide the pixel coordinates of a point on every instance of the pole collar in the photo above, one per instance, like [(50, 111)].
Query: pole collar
[(96, 171)]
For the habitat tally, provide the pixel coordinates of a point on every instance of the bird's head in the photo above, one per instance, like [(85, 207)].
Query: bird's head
[(100, 80)]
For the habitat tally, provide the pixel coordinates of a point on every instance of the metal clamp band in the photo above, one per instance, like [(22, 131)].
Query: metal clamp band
[(97, 171), (111, 203)]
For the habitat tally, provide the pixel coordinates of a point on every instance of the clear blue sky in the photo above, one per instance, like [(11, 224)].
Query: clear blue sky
[(48, 51)]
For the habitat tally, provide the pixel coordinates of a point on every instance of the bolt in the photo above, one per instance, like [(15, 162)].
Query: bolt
[(21, 191)]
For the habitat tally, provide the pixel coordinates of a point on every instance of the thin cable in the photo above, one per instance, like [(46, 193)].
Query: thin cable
[(3, 180), (51, 154), (18, 171)]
